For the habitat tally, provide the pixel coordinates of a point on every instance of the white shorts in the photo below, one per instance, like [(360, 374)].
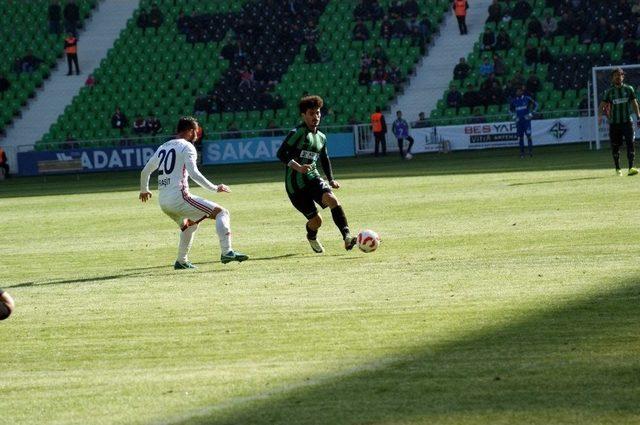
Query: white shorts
[(188, 207)]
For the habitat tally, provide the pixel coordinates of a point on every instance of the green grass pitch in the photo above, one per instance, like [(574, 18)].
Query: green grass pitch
[(505, 291)]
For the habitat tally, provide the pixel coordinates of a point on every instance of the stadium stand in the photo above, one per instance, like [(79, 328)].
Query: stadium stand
[(29, 52), (553, 41), (243, 65)]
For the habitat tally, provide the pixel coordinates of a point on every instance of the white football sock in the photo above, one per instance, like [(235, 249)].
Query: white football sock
[(223, 228), (186, 240)]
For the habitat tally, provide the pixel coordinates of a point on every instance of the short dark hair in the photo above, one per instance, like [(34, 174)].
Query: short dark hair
[(186, 123), (378, 109), (310, 102), (617, 71)]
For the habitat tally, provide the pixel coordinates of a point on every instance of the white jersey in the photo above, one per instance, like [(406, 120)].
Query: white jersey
[(175, 161)]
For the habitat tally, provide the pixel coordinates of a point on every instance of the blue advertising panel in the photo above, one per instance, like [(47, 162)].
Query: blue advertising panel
[(264, 149), (103, 159)]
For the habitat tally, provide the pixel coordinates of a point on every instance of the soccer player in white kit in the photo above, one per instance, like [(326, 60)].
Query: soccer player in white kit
[(176, 162)]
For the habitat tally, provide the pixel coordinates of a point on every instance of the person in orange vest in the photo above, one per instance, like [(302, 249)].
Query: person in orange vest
[(460, 9), (3, 163), (71, 49), (379, 128)]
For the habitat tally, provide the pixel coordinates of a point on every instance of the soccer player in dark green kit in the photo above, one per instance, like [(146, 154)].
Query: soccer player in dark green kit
[(300, 151), (616, 104)]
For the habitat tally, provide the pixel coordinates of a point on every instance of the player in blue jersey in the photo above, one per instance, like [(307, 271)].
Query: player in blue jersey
[(522, 107), (400, 129)]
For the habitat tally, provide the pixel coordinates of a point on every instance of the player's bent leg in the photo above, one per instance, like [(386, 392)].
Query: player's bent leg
[(184, 246), (312, 226), (340, 219), (223, 229)]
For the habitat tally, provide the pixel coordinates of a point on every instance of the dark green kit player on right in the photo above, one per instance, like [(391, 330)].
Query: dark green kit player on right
[(616, 104), (300, 151)]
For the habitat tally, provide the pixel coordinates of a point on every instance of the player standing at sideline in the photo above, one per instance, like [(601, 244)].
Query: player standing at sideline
[(175, 161), (616, 105), (301, 149), (522, 107), (400, 129)]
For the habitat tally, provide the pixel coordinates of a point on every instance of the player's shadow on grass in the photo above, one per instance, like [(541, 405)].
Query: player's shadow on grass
[(139, 272), (573, 363), (555, 181), (275, 257)]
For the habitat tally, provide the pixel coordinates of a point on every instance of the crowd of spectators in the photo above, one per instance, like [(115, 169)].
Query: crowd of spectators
[(375, 69), (259, 49), (400, 20)]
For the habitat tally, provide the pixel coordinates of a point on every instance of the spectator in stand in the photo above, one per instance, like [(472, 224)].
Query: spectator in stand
[(153, 125), (119, 120), (461, 70), (394, 76), (246, 78), (233, 132), (584, 107), (365, 60), (143, 20), (400, 129), (499, 67), (454, 98), (477, 117), (549, 25), (396, 10), (400, 28), (364, 77), (421, 122), (521, 10), (4, 84), (4, 163), (28, 63), (54, 15), (139, 126), (376, 12), (503, 41), (229, 50), (90, 81), (495, 12), (534, 28), (517, 82), (635, 9), (361, 11), (71, 49), (311, 54), (533, 84), (352, 120), (630, 51), (184, 23), (486, 68), (379, 56), (545, 56), (202, 104), (411, 9), (495, 94), (531, 55), (155, 17), (488, 82), (70, 143), (311, 33), (488, 40), (379, 76), (379, 128), (471, 98), (386, 29), (460, 10), (360, 32), (71, 15), (426, 28)]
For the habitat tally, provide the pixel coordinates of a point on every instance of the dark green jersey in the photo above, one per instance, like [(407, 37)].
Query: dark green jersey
[(305, 147), (620, 99)]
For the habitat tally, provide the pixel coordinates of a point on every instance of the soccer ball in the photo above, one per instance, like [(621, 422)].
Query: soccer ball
[(368, 241), (408, 156)]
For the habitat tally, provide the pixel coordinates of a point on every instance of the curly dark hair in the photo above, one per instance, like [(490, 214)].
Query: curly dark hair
[(310, 102)]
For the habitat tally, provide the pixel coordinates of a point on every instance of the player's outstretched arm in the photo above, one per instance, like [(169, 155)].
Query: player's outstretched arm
[(326, 167), (196, 175), (149, 168)]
